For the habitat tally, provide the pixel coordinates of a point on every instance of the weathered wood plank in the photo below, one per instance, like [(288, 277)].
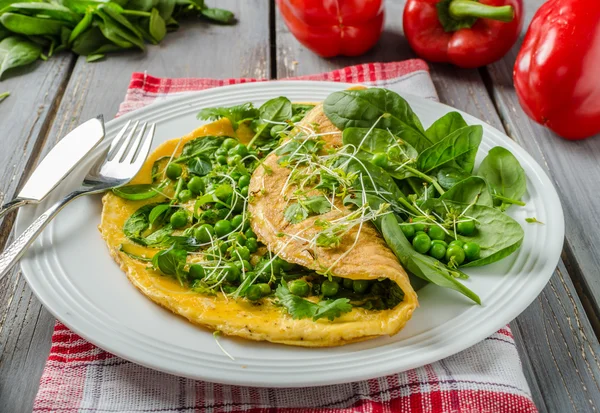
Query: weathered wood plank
[(574, 169), (25, 117), (558, 349), (196, 50)]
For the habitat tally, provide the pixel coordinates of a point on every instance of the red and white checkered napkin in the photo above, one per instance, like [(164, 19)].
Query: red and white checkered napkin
[(80, 377)]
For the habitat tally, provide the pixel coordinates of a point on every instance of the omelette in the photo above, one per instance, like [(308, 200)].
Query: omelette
[(242, 227)]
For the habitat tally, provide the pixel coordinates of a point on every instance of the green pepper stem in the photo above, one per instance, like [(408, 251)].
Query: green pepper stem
[(426, 178), (459, 9)]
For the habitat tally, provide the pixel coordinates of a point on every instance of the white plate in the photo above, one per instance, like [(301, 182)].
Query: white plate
[(70, 271)]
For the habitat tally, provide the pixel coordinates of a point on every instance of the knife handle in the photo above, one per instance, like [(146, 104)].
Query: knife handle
[(9, 206), (11, 255)]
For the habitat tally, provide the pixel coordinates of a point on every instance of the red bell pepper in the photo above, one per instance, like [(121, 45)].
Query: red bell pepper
[(466, 33), (334, 27), (557, 72)]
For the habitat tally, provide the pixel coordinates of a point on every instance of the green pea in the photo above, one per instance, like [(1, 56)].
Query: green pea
[(265, 289), (456, 242), (377, 289), (436, 232), (437, 241), (329, 288), (204, 233), (254, 293), (249, 233), (251, 244), (297, 118), (421, 243), (196, 185), (222, 213), (249, 274), (466, 227), (179, 219), (237, 221), (243, 252), (232, 273), (234, 160), (437, 250), (239, 149), (284, 265), (221, 152), (299, 288), (276, 129), (244, 191), (380, 159), (472, 251), (347, 283), (222, 228), (408, 230), (237, 237), (196, 272), (174, 171), (209, 216), (455, 254), (185, 195), (360, 286), (245, 264), (222, 159), (244, 181), (229, 143)]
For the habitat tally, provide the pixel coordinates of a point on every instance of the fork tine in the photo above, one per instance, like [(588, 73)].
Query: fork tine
[(145, 148), (121, 152), (134, 148), (117, 141)]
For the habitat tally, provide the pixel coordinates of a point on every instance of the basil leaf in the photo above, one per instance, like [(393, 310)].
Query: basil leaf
[(136, 192), (157, 27), (275, 110), (503, 173), (218, 15), (199, 165), (16, 51), (444, 126), (157, 212), (380, 107), (471, 190), (460, 146), (170, 262)]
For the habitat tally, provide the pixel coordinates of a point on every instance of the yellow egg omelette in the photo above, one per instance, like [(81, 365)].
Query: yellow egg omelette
[(220, 227)]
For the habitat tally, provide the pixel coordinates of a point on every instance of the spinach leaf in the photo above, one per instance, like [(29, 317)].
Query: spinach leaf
[(444, 126), (218, 15), (51, 10), (136, 192), (235, 114), (118, 29), (21, 24), (497, 234), (4, 95), (504, 174), (158, 212), (200, 165), (299, 307), (460, 146), (275, 110), (374, 141), (380, 107), (301, 108), (94, 57), (140, 5), (171, 262), (156, 26), (16, 51), (201, 145), (449, 176), (165, 8), (137, 223), (471, 190), (82, 26)]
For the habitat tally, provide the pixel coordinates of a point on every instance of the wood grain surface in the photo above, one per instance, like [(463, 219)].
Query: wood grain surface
[(556, 341)]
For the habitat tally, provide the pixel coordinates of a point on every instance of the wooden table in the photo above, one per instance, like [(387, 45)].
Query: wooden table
[(557, 335)]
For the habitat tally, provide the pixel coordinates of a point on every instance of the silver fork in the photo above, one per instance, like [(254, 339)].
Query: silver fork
[(122, 162)]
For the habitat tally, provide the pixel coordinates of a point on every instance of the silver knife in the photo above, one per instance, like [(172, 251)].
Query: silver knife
[(61, 160)]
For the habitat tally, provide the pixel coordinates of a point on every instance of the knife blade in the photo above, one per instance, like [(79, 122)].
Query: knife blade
[(61, 160)]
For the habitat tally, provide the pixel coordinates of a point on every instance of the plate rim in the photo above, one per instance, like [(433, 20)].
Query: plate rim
[(184, 97)]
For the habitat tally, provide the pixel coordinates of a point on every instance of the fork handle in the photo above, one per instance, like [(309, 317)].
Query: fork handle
[(9, 206), (17, 248)]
